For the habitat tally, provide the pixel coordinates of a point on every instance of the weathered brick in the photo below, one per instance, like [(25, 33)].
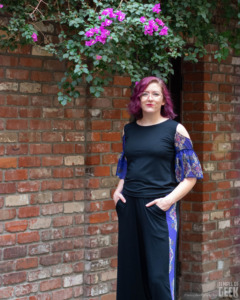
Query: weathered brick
[(28, 237), (16, 200), (16, 226), (73, 280), (39, 274), (26, 263), (9, 86), (28, 212), (7, 240), (73, 160), (49, 260), (28, 186), (63, 294), (14, 252), (52, 209), (41, 198), (7, 292), (39, 223), (28, 87), (14, 278), (7, 214), (62, 246), (63, 221), (39, 249), (51, 284), (26, 289)]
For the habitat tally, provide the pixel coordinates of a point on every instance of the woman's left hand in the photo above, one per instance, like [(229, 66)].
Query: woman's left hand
[(163, 203)]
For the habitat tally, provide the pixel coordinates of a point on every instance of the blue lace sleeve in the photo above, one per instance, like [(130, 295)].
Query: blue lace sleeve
[(122, 163), (187, 164)]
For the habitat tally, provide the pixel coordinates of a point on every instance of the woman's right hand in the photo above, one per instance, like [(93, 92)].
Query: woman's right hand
[(117, 196)]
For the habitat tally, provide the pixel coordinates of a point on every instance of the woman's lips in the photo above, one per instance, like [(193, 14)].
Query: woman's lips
[(150, 105)]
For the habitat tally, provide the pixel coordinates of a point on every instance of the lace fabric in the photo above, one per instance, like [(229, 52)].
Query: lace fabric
[(187, 164)]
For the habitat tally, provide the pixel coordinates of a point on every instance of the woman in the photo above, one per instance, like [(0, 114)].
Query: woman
[(157, 168)]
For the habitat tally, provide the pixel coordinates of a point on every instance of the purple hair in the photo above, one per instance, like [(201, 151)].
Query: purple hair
[(135, 103)]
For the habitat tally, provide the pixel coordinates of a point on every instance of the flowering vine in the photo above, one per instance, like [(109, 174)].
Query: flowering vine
[(123, 37)]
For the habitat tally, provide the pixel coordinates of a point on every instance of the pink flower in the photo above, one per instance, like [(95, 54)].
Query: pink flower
[(98, 57), (1, 5), (121, 15), (136, 83), (143, 19), (160, 22), (106, 23), (164, 31), (156, 8), (99, 17), (90, 43), (34, 37)]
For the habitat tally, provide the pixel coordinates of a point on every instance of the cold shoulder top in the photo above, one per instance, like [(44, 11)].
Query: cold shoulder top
[(155, 159)]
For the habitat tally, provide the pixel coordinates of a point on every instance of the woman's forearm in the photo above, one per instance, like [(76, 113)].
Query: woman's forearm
[(120, 185), (181, 190)]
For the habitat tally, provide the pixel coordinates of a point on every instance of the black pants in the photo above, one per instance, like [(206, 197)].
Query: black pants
[(145, 251)]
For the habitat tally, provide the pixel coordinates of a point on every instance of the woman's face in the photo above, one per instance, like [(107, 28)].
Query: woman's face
[(152, 98)]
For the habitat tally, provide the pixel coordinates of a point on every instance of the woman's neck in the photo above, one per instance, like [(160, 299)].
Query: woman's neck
[(151, 120)]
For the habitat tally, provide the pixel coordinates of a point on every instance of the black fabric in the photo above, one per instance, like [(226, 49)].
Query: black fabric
[(143, 253), (150, 157)]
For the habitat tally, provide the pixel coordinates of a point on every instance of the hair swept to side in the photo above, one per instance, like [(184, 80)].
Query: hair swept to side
[(135, 103)]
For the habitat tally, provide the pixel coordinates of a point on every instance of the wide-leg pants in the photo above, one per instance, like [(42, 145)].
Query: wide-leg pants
[(146, 250)]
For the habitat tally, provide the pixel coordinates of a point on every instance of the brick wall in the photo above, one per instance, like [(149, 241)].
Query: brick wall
[(210, 231), (58, 226), (58, 229)]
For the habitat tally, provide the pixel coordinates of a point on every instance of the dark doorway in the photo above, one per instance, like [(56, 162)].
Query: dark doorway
[(175, 87)]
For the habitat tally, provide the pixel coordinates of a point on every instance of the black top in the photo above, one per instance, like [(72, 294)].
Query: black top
[(150, 155)]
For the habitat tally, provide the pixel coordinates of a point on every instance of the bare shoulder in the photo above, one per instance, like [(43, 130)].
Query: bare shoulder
[(182, 130)]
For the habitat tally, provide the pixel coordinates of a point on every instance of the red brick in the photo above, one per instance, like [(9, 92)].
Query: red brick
[(30, 62), (101, 125), (28, 237), (50, 284), (7, 214), (52, 137), (63, 172), (29, 137), (99, 218), (30, 113), (18, 74), (62, 221), (28, 212), (54, 65), (112, 92), (74, 183), (16, 175), (52, 209), (8, 162), (52, 259), (17, 149), (101, 171), (73, 113), (7, 188), (117, 147), (50, 89), (120, 103), (93, 183), (51, 185), (41, 76), (17, 100), (39, 173), (40, 125), (92, 160), (112, 114), (111, 136), (40, 149), (98, 148), (63, 148), (52, 161), (73, 256), (11, 61), (63, 125), (14, 278), (63, 196), (16, 226), (108, 252), (63, 294), (27, 161), (26, 263), (7, 240), (28, 186), (225, 88)]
